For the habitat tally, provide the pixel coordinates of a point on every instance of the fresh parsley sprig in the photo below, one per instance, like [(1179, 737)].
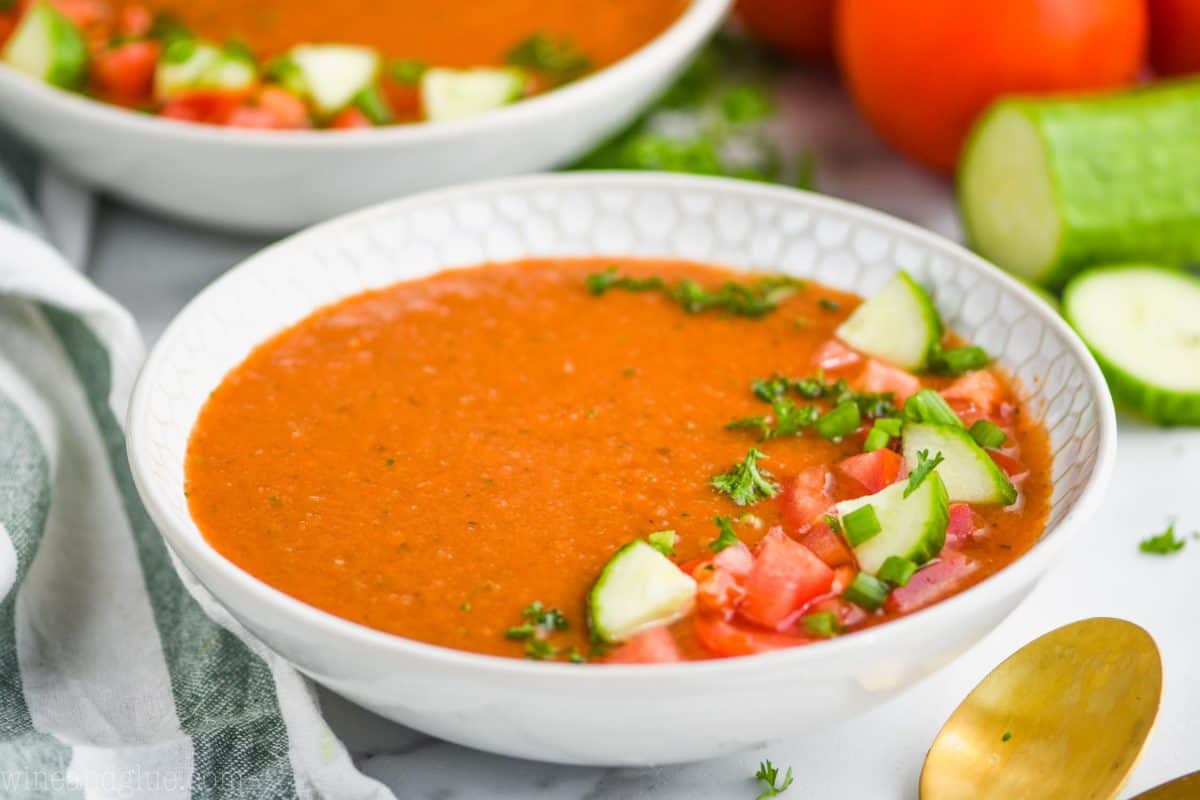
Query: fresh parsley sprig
[(726, 538), (925, 465), (768, 773), (1163, 544), (755, 299), (745, 483)]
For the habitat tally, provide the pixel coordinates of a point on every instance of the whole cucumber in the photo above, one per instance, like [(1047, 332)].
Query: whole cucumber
[(1048, 186)]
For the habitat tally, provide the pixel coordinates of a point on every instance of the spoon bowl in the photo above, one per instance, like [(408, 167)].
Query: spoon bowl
[(1065, 717), (1184, 788)]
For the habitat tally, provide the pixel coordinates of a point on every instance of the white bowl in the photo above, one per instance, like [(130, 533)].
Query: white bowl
[(270, 181), (615, 714)]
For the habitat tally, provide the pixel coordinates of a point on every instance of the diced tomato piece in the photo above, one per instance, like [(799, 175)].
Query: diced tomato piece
[(805, 497), (126, 72), (136, 20), (288, 110), (786, 575), (725, 638), (86, 14), (979, 388), (833, 356), (350, 119), (1014, 469), (252, 117), (950, 573), (6, 27), (967, 411), (208, 106), (718, 590), (736, 559), (404, 99), (962, 523), (827, 544), (875, 470), (655, 646), (880, 377)]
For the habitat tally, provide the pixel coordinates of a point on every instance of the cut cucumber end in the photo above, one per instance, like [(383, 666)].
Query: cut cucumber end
[(912, 528), (1007, 197), (638, 589), (1142, 324), (969, 473), (448, 94), (898, 324)]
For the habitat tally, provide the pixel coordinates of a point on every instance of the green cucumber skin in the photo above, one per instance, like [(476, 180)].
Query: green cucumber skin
[(1126, 175), (69, 66), (1162, 406)]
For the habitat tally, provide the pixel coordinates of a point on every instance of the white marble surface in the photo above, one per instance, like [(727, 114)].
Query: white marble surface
[(153, 266)]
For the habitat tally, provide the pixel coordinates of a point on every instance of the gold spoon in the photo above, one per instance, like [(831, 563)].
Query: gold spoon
[(1064, 718), (1185, 788)]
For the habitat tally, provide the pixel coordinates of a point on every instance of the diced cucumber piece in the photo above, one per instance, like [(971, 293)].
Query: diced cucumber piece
[(454, 94), (970, 474), (639, 588), (49, 47), (1049, 186), (898, 324), (187, 65), (333, 75), (1143, 325), (913, 527)]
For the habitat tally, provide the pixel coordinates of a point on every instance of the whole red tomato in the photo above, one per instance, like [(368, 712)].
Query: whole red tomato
[(922, 70), (1175, 36), (801, 28)]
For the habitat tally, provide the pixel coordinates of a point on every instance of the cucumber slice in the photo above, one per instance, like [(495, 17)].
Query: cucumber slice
[(1143, 325), (898, 324), (970, 474), (912, 527), (454, 94), (333, 75), (639, 588), (187, 65), (1050, 186), (49, 47)]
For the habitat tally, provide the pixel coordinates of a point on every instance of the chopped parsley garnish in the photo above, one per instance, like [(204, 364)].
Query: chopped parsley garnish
[(663, 541), (790, 418), (770, 389), (558, 58), (539, 650), (744, 482), (1163, 544), (769, 774), (925, 465), (727, 536), (755, 299), (834, 523), (548, 619), (832, 306), (759, 424), (871, 405)]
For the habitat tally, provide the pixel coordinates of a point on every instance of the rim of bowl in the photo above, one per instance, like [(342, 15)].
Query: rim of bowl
[(191, 544), (697, 21)]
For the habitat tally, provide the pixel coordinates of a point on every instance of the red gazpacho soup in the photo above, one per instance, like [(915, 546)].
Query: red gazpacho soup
[(294, 64), (619, 460)]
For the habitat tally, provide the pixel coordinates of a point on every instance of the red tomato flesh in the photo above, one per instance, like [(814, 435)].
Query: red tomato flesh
[(873, 471), (880, 377), (805, 498), (786, 575), (655, 646)]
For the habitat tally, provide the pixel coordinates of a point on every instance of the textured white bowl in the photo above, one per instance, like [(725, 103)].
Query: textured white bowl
[(615, 714), (271, 181)]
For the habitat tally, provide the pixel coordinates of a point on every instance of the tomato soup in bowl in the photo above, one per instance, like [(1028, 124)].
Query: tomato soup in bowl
[(694, 463), (468, 459)]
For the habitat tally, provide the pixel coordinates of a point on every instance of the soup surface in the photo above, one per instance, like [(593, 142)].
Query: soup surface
[(431, 458)]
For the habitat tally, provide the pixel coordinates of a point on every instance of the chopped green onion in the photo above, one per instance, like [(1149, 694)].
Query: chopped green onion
[(843, 420), (822, 623), (889, 425), (663, 541), (520, 632), (371, 102), (539, 650), (861, 525), (929, 406), (896, 570), (827, 304), (988, 434), (866, 592), (407, 70), (959, 360), (877, 439)]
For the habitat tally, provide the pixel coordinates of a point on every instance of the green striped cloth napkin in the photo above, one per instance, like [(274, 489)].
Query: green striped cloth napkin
[(119, 677)]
